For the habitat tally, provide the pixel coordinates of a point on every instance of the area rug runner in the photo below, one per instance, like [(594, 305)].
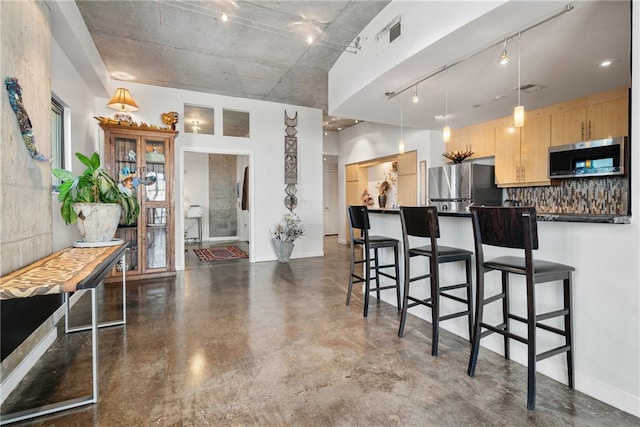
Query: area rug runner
[(219, 253)]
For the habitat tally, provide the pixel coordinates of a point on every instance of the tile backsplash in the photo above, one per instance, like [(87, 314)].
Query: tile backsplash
[(596, 196)]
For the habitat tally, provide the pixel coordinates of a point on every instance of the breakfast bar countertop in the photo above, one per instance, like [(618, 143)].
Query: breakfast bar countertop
[(547, 217)]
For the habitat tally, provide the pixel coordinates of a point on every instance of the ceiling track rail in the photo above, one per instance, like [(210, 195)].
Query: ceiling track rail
[(392, 94)]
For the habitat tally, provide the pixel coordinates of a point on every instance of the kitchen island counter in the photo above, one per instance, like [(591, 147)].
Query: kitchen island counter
[(547, 217)]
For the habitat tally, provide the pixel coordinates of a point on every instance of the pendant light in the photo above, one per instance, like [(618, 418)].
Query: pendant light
[(518, 112), (401, 143), (504, 56), (446, 131), (415, 98)]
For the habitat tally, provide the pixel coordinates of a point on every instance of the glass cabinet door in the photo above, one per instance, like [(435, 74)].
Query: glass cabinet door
[(126, 157), (156, 238), (155, 170), (125, 161)]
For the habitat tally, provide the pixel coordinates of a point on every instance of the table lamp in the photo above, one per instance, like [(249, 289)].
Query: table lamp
[(122, 101)]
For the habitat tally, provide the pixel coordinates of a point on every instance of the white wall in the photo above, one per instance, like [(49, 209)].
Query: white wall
[(266, 150), (67, 85), (372, 61), (244, 224), (196, 191), (331, 143)]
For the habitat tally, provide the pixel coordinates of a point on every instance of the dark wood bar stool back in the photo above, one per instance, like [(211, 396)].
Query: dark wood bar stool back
[(516, 228), (359, 221), (422, 221)]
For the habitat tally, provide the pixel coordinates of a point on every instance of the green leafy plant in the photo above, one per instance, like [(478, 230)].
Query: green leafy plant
[(94, 185)]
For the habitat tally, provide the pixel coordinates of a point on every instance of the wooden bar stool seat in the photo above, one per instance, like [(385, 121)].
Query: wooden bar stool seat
[(516, 228), (359, 220), (422, 221)]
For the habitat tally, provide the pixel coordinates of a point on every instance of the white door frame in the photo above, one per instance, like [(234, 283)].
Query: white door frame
[(179, 222)]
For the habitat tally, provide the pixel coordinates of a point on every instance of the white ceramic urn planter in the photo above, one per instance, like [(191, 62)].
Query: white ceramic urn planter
[(97, 222)]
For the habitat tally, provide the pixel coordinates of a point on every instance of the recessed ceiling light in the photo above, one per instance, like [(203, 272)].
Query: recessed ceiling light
[(439, 117), (325, 134), (339, 128), (606, 63), (357, 121), (309, 39), (224, 17), (122, 75), (498, 97)]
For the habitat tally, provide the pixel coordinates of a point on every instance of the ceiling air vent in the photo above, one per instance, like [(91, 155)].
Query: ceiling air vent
[(395, 31), (529, 87), (390, 33)]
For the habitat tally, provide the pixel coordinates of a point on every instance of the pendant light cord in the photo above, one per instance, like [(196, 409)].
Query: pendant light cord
[(519, 55), (401, 119), (446, 96)]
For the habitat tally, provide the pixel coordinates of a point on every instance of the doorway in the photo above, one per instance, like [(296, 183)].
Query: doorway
[(211, 207), (330, 194)]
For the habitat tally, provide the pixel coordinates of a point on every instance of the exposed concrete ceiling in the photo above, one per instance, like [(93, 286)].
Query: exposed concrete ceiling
[(260, 52)]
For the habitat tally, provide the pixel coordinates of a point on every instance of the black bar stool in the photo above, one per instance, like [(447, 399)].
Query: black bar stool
[(422, 221), (359, 220), (516, 227)]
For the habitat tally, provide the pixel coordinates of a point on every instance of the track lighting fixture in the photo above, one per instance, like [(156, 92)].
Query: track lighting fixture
[(504, 56)]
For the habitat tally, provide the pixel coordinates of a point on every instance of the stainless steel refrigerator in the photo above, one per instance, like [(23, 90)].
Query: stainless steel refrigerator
[(455, 187)]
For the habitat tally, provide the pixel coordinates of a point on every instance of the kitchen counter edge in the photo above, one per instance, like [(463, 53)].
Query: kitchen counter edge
[(543, 217)]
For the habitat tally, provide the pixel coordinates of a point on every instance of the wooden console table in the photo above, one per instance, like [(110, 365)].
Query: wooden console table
[(69, 270)]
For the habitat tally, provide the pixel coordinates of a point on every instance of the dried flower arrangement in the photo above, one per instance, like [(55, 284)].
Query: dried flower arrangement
[(366, 198), (383, 187), (458, 156), (288, 229)]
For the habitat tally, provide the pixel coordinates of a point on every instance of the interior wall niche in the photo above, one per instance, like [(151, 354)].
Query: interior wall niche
[(235, 123), (199, 119)]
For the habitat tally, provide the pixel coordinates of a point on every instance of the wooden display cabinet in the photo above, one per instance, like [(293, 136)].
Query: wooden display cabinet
[(145, 154)]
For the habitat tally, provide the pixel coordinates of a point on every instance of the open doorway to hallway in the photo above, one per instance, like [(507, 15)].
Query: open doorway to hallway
[(214, 198), (330, 194)]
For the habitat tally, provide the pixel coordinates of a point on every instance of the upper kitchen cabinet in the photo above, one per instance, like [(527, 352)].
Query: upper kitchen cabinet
[(480, 139), (521, 156), (598, 116), (408, 178)]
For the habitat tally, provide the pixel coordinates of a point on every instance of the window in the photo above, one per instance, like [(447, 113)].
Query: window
[(198, 119), (235, 123), (57, 138)]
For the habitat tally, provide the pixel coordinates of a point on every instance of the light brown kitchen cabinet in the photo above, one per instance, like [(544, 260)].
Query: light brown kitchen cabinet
[(521, 158), (598, 116), (480, 139), (408, 178), (147, 154)]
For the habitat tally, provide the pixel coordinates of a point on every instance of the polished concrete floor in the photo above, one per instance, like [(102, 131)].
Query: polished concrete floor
[(230, 343)]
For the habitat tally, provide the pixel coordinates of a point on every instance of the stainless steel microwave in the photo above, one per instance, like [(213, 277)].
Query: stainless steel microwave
[(602, 157)]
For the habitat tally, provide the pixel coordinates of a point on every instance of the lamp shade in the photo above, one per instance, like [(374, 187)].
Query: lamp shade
[(446, 134), (518, 116), (401, 146), (122, 101)]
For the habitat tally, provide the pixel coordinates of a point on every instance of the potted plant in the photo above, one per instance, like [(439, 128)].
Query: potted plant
[(284, 234), (95, 200)]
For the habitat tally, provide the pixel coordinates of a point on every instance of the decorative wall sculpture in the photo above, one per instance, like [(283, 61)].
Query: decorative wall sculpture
[(15, 99), (290, 161)]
